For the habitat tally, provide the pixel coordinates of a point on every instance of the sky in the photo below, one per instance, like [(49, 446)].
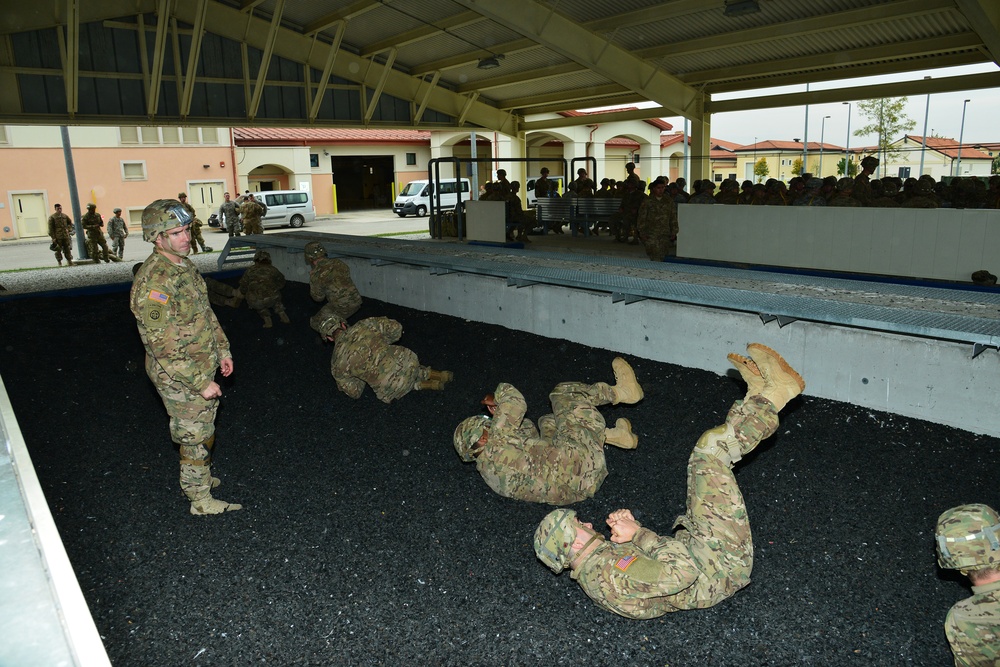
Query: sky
[(944, 118)]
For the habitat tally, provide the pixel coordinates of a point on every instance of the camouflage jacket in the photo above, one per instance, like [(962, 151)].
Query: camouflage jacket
[(658, 218), (645, 578), (973, 628), (195, 222), (176, 323), (92, 222), (230, 212), (517, 462), (60, 227), (251, 210), (330, 279), (364, 354), (261, 282), (117, 227)]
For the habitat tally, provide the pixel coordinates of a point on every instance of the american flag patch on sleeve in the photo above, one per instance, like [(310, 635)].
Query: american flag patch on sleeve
[(159, 297), (625, 562)]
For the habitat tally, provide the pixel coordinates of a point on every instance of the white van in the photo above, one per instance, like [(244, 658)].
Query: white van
[(553, 180), (415, 197), (286, 207)]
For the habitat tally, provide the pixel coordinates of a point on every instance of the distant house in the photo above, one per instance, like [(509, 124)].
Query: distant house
[(941, 158)]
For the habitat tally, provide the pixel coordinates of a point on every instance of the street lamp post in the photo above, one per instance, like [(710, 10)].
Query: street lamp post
[(847, 146), (822, 133), (923, 147), (961, 135)]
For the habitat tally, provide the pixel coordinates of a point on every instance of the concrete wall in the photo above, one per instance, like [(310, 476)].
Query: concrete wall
[(928, 379), (940, 244)]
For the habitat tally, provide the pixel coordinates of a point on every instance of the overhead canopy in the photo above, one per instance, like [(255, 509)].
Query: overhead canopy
[(426, 63)]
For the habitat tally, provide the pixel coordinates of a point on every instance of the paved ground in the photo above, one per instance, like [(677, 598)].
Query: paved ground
[(365, 541)]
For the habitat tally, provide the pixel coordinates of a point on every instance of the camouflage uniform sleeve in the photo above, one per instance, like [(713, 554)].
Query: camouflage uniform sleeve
[(389, 329), (675, 569), (511, 408), (316, 290), (641, 221), (350, 385), (176, 323)]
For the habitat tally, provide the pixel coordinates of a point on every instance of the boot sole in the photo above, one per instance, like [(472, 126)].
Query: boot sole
[(782, 364), (623, 369)]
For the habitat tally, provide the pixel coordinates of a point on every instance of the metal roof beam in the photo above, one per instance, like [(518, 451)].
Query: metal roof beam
[(343, 14), (421, 33), (418, 116), (194, 55), (321, 86), (545, 26), (520, 78), (593, 119), (854, 18), (984, 17), (265, 59), (380, 86), (159, 53), (564, 96), (69, 53), (876, 91)]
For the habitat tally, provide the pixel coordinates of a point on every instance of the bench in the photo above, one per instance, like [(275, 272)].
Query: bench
[(579, 212)]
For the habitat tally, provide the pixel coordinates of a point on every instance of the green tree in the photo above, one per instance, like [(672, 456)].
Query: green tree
[(996, 165), (797, 166), (760, 169), (885, 119), (852, 167)]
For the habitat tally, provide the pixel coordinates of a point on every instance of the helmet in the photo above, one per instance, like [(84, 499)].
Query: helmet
[(467, 434), (262, 256), (554, 537), (91, 205), (163, 215), (182, 195), (967, 538), (314, 250), (330, 323), (118, 210)]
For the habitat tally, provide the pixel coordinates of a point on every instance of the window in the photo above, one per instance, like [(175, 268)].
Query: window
[(133, 171), (171, 135), (635, 158), (4, 140), (149, 135), (411, 159), (717, 177), (904, 173), (190, 135), (314, 160), (129, 135), (209, 135)]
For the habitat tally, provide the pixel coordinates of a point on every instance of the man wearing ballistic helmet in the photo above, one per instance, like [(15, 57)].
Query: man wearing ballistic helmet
[(330, 280), (184, 346), (968, 540), (364, 354), (560, 462), (640, 574)]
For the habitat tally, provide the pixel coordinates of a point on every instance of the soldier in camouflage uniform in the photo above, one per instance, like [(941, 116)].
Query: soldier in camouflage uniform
[(632, 200), (640, 574), (862, 182), (185, 345), (251, 212), (261, 284), (364, 354), (229, 213), (118, 231), (92, 222), (196, 238), (968, 540), (330, 280), (60, 229), (560, 462), (657, 222)]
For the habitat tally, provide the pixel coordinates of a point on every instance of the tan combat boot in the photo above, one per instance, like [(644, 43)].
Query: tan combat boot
[(626, 388), (284, 317), (749, 372), (442, 376), (621, 435), (433, 385), (237, 299), (781, 382), (267, 321)]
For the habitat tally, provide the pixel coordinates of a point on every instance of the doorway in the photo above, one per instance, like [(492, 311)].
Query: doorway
[(363, 181), (30, 219), (206, 197)]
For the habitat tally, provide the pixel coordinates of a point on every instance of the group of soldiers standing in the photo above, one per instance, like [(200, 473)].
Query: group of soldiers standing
[(242, 215), (61, 232)]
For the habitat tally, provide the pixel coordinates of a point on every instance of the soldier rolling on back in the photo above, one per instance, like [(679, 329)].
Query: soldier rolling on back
[(640, 574), (560, 462), (185, 346), (364, 354), (330, 280), (261, 285), (60, 230)]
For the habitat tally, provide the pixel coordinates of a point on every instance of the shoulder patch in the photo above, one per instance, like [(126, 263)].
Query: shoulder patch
[(625, 562), (159, 297)]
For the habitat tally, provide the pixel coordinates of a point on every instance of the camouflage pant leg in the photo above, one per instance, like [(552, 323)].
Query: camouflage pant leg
[(118, 245), (196, 475), (263, 306), (197, 240), (398, 373), (63, 248), (716, 531), (343, 307), (95, 241), (192, 418), (578, 422)]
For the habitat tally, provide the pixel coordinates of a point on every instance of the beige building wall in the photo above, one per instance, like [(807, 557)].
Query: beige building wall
[(108, 173)]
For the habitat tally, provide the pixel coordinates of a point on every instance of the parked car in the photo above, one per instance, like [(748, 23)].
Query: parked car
[(553, 180), (415, 197)]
